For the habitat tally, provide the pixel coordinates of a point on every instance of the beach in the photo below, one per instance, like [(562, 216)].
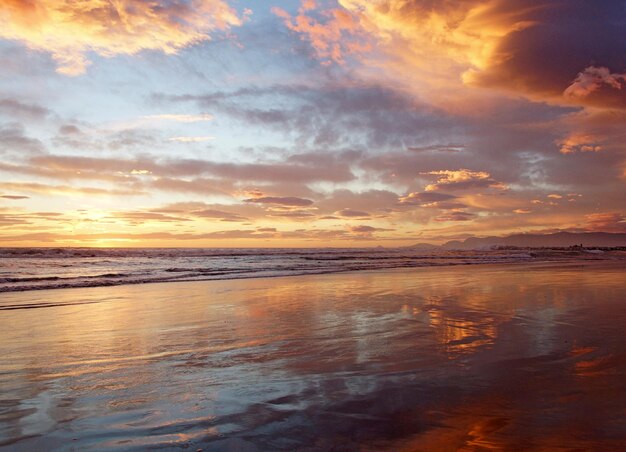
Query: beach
[(482, 357)]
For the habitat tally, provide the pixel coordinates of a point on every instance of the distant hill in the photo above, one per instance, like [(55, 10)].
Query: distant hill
[(424, 246), (559, 239)]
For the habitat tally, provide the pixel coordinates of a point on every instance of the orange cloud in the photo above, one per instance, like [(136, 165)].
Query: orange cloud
[(463, 179), (432, 48), (464, 56), (68, 29), (579, 142)]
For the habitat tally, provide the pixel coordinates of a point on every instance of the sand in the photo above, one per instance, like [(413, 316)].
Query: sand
[(493, 357)]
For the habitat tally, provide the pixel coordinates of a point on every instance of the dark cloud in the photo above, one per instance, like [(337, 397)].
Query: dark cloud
[(363, 228), (567, 35), (294, 214), (320, 115), (366, 231), (220, 212), (438, 148), (69, 129), (14, 197), (349, 213), (187, 175), (13, 140), (455, 216), (372, 201), (13, 108)]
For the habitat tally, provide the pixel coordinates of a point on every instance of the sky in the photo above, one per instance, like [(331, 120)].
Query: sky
[(347, 123)]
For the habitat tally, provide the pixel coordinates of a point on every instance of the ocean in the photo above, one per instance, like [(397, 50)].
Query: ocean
[(526, 356), (23, 269)]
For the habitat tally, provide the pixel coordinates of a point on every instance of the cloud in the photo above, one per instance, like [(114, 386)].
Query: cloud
[(14, 197), (606, 221), (579, 142), (372, 201), (70, 135), (426, 46), (139, 218), (280, 200), (295, 214), (463, 179), (69, 129), (424, 198), (438, 148), (349, 213), (9, 220), (295, 169), (441, 52), (363, 229), (333, 35), (360, 232), (366, 231), (180, 118), (139, 237), (191, 139), (220, 212), (218, 215), (592, 79), (199, 185), (320, 114), (14, 140), (14, 108), (455, 216), (45, 189), (68, 30)]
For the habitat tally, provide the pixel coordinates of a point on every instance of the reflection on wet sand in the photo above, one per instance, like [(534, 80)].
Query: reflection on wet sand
[(496, 358)]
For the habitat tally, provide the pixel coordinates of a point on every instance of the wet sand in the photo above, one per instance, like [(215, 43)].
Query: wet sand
[(493, 357)]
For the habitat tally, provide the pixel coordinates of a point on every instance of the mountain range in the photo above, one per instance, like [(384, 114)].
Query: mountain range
[(558, 240)]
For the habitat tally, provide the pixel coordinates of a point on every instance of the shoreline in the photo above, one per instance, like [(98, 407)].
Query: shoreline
[(95, 284), (20, 296)]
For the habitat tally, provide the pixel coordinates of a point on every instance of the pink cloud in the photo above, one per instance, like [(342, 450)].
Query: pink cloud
[(592, 79)]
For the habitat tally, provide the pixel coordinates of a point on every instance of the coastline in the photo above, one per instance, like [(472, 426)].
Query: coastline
[(18, 299), (113, 277)]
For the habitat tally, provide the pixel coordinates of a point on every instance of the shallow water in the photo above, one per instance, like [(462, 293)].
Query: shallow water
[(23, 269), (496, 357)]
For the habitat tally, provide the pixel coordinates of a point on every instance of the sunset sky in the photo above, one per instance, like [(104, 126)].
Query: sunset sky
[(315, 123)]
